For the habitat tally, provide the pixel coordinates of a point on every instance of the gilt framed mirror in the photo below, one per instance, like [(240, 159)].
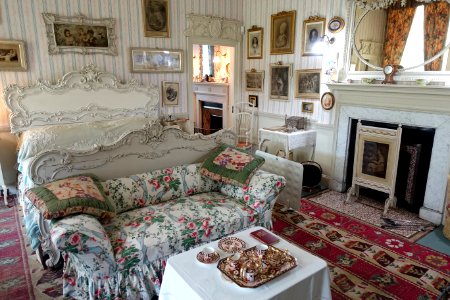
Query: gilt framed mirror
[(412, 34)]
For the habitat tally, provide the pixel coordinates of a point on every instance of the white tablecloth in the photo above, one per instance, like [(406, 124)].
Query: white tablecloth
[(187, 278)]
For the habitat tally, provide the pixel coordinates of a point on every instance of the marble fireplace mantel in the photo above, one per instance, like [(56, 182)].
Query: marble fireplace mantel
[(408, 105)]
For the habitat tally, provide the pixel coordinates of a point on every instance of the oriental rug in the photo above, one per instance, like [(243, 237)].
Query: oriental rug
[(371, 211), (364, 262), (21, 275)]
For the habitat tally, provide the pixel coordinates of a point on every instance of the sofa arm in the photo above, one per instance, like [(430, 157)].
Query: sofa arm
[(260, 194), (83, 240)]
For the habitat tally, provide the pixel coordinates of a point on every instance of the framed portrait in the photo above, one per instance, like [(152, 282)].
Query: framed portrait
[(255, 42), (170, 93), (12, 56), (280, 76), (307, 83), (80, 34), (156, 16), (313, 30), (327, 101), (254, 80), (336, 24), (282, 33), (253, 100), (146, 60), (308, 107)]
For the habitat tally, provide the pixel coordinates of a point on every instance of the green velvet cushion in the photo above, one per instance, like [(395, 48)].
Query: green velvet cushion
[(231, 165), (78, 194)]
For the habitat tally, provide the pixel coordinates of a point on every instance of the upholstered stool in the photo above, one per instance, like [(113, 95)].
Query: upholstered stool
[(447, 212)]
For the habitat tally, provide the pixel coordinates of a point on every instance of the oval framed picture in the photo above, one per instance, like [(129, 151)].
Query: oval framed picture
[(327, 101), (336, 24)]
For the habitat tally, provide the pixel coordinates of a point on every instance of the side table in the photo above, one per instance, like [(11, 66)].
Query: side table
[(8, 172), (289, 140)]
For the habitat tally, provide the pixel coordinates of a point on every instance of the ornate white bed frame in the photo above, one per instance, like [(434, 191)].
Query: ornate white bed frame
[(92, 95)]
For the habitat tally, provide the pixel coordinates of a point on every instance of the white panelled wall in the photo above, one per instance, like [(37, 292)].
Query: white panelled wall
[(22, 20), (272, 112)]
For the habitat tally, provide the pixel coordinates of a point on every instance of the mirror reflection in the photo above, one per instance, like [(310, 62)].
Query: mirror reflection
[(406, 36), (211, 63)]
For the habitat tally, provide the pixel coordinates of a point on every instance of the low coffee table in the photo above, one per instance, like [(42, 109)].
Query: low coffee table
[(187, 278)]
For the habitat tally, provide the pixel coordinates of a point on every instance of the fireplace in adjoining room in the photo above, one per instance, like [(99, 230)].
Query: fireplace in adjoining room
[(211, 117), (413, 165)]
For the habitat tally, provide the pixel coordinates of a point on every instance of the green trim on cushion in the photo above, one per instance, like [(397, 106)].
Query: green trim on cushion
[(75, 194), (221, 165)]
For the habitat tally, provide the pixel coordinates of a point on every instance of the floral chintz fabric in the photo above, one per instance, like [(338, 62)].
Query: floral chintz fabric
[(162, 213)]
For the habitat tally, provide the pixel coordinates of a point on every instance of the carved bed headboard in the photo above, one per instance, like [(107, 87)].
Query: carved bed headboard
[(79, 96)]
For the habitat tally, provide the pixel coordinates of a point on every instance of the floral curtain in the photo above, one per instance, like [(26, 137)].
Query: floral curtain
[(435, 32), (399, 22)]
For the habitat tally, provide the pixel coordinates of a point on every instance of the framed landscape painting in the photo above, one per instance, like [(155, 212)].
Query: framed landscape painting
[(146, 60), (80, 34), (254, 80), (12, 56)]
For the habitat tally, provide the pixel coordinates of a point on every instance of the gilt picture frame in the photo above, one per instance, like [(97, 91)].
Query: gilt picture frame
[(313, 31), (12, 56), (148, 60), (253, 101), (255, 42), (156, 17), (280, 78), (327, 101), (80, 34), (307, 83), (170, 93), (254, 80), (308, 107), (282, 32)]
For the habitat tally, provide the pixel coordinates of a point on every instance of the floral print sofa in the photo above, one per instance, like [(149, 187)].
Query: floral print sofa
[(159, 214)]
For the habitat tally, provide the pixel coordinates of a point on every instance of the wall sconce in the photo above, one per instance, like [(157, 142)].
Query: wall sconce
[(326, 39)]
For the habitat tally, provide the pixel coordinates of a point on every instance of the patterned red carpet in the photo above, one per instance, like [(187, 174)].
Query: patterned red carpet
[(21, 275), (365, 262), (15, 278)]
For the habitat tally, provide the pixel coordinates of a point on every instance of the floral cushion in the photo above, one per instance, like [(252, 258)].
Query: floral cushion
[(79, 194), (157, 186), (231, 165)]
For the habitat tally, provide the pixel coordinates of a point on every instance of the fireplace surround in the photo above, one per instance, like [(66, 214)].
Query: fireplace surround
[(397, 104)]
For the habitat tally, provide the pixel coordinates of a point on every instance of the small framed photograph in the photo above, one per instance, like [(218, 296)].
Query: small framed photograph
[(336, 24), (170, 93), (255, 42), (80, 34), (279, 81), (308, 107), (254, 80), (146, 60), (307, 83), (282, 33), (253, 100), (12, 56), (327, 101), (156, 18), (313, 30)]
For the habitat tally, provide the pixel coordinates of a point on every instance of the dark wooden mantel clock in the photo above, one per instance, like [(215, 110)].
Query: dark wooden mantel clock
[(389, 73)]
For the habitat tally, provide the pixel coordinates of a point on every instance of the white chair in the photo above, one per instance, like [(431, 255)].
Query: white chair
[(243, 124)]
